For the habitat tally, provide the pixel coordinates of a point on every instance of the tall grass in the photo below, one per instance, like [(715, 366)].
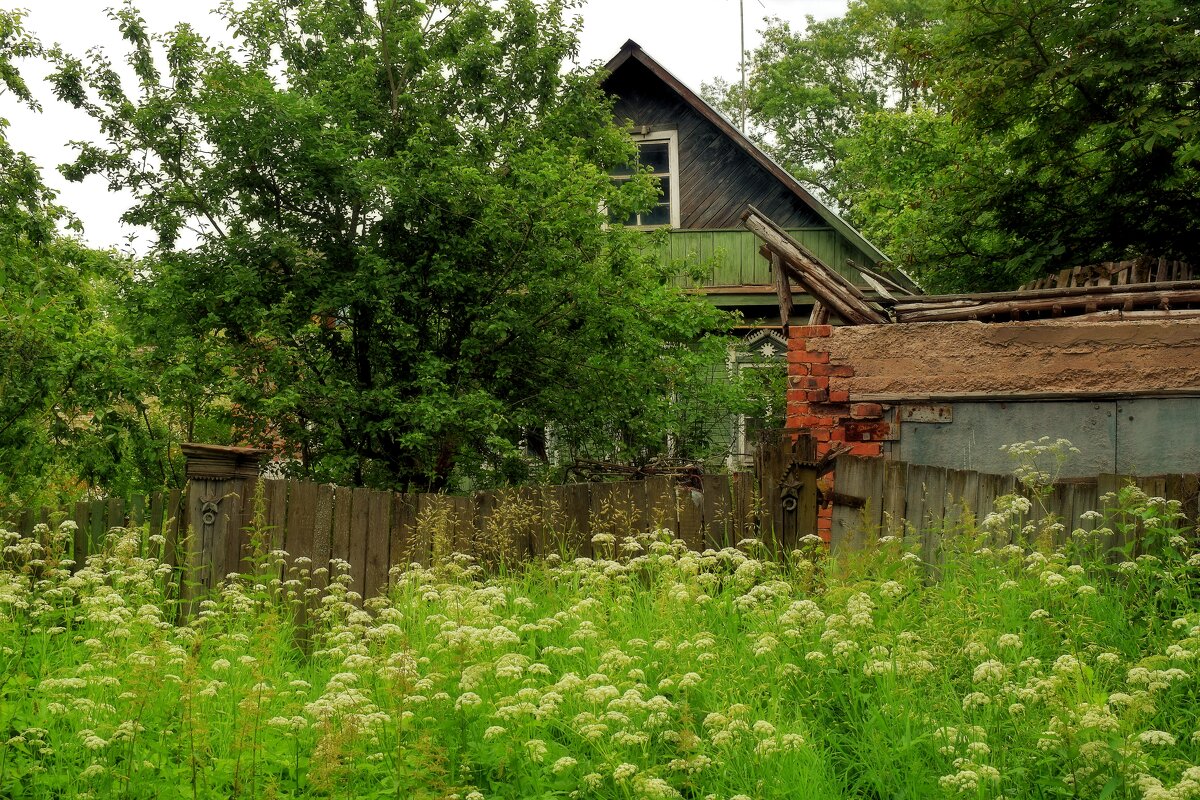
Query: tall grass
[(649, 672)]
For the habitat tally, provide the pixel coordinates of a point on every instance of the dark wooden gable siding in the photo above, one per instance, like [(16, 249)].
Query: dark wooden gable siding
[(717, 178)]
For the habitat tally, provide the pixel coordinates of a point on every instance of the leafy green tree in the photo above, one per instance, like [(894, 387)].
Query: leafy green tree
[(1096, 108), (810, 91), (380, 236), (70, 413), (983, 142)]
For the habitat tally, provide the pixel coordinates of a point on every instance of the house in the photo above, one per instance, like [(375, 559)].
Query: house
[(1106, 356), (710, 172)]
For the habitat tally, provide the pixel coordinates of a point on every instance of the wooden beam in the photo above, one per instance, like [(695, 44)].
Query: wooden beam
[(823, 283), (783, 290), (1090, 303), (924, 301)]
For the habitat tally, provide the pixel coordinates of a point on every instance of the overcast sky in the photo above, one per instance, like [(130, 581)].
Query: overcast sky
[(695, 39)]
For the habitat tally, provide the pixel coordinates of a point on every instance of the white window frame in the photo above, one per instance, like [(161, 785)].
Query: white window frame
[(671, 137)]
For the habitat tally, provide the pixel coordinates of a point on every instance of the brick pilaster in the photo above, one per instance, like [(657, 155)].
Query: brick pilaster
[(819, 402)]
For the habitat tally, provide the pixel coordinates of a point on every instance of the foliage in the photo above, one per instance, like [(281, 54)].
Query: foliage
[(810, 91), (72, 407), (983, 142), (1096, 109), (650, 672), (380, 224)]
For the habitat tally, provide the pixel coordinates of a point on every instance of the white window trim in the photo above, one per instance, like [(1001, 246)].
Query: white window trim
[(671, 137)]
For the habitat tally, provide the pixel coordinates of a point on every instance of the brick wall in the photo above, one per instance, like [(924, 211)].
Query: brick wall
[(819, 402)]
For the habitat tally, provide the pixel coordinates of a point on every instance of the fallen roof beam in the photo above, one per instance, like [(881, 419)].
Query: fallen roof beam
[(816, 286), (826, 285)]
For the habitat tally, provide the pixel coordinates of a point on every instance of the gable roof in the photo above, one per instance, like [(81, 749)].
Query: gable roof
[(632, 50)]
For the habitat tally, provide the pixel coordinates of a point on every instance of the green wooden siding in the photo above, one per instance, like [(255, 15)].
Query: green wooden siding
[(731, 257)]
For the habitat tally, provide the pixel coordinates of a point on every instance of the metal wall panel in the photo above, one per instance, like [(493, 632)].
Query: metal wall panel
[(1156, 437), (973, 440)]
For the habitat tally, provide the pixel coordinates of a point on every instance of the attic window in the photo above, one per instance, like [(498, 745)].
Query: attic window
[(658, 151)]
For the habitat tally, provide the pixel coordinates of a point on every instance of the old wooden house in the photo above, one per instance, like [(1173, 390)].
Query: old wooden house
[(710, 172)]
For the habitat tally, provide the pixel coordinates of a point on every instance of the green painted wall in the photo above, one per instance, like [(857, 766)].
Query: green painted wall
[(731, 256)]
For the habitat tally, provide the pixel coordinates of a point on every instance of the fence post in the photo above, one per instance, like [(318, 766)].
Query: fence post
[(218, 478), (787, 472)]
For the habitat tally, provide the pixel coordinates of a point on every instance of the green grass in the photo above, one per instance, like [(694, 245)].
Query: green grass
[(1020, 672)]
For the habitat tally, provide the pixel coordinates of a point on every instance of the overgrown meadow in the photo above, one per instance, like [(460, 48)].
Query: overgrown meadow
[(1009, 670)]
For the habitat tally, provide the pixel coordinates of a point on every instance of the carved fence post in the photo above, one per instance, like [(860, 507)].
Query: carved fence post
[(787, 472), (220, 480)]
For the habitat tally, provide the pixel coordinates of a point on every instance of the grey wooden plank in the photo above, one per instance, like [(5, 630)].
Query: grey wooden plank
[(97, 517), (934, 516), (301, 518), (116, 513), (690, 502), (716, 512), (322, 543), (635, 499), (230, 541), (80, 541), (851, 526), (660, 504), (378, 543), (343, 502), (276, 500), (491, 541), (895, 496), (155, 521), (433, 544), (464, 525), (1106, 484), (174, 525), (914, 504), (603, 516), (360, 531), (404, 520), (577, 504), (250, 544)]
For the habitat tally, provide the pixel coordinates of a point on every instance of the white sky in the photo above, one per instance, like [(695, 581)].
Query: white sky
[(697, 40)]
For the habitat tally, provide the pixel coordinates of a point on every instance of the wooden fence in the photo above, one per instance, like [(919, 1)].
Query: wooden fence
[(898, 499), (159, 512), (212, 530), (374, 530)]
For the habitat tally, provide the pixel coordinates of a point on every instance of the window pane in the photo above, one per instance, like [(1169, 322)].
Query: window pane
[(659, 215), (656, 156), (664, 190), (626, 169)]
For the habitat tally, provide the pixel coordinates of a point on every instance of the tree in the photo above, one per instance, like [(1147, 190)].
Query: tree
[(810, 91), (983, 142), (383, 222), (1096, 107), (72, 414)]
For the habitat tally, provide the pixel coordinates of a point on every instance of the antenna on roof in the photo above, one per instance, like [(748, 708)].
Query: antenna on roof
[(742, 97)]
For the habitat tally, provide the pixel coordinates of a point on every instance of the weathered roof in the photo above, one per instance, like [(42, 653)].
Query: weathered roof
[(632, 50), (1116, 273), (1140, 289)]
